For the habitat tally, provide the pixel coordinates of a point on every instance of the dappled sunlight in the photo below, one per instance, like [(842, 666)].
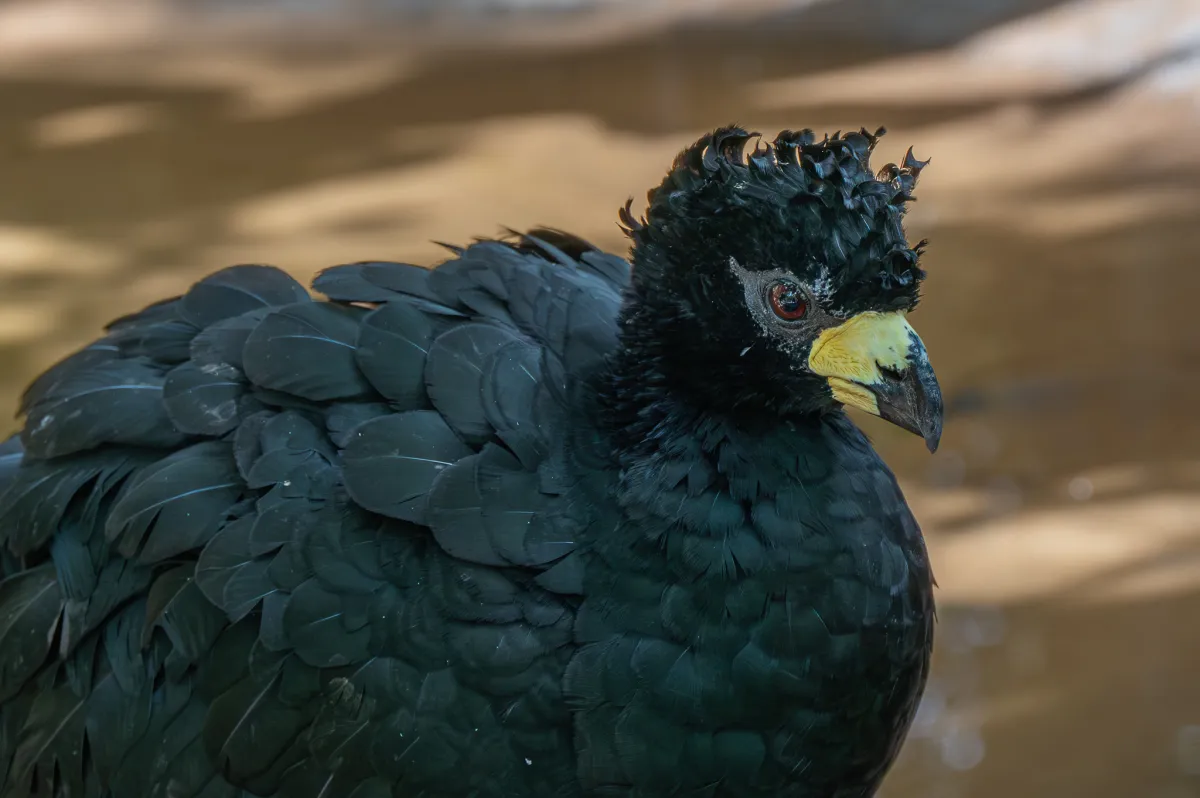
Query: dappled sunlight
[(87, 125), (1171, 573), (1097, 38), (1022, 153), (25, 323), (1053, 553), (262, 86), (29, 251), (1084, 216), (1063, 509), (572, 174)]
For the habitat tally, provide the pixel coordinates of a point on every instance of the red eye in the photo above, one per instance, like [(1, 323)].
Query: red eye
[(788, 302)]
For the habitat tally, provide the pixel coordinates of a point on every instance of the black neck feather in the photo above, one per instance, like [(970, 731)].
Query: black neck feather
[(664, 374)]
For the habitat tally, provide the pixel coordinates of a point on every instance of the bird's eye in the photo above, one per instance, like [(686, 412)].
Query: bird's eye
[(787, 301)]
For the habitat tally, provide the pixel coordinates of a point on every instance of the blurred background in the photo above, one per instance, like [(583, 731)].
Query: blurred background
[(144, 143)]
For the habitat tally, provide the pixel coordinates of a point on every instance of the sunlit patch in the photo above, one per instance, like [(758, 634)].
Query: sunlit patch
[(264, 86), (26, 322), (26, 250), (1062, 553), (80, 126)]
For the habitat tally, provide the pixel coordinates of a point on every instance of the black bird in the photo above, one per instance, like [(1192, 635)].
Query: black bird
[(536, 522)]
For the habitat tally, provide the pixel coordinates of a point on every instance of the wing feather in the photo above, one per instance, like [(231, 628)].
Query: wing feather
[(257, 544)]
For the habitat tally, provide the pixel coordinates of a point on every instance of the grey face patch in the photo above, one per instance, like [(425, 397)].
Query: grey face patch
[(822, 288), (793, 336)]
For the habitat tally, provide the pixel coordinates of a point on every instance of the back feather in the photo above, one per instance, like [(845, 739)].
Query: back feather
[(257, 544)]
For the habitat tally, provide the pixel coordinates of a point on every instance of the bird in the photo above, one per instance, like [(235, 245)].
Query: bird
[(538, 520)]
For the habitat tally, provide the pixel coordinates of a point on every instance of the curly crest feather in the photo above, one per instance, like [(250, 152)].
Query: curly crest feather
[(807, 201)]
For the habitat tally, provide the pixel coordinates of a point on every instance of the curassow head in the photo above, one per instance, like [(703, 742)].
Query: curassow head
[(778, 281)]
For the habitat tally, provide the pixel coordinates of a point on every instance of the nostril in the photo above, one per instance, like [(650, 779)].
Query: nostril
[(890, 373)]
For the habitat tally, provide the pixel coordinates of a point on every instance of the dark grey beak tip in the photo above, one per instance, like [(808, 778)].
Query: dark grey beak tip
[(929, 408), (914, 401)]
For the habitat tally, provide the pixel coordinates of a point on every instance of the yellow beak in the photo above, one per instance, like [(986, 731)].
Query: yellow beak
[(877, 363)]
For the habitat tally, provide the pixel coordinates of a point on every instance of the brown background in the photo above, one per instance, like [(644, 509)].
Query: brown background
[(145, 144)]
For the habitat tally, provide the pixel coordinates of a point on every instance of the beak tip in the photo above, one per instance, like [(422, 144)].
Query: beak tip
[(932, 429)]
